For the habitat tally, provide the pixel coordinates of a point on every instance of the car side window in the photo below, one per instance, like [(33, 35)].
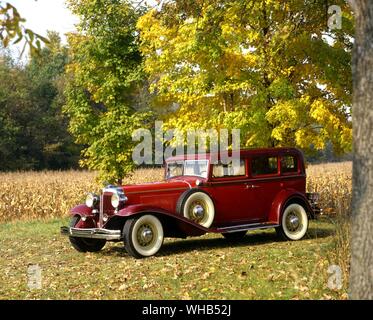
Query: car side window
[(263, 165), (221, 170), (289, 164)]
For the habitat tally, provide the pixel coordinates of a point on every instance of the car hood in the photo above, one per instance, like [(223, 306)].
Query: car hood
[(171, 184)]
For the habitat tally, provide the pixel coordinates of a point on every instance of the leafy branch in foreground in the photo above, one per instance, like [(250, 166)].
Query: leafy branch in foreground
[(13, 31)]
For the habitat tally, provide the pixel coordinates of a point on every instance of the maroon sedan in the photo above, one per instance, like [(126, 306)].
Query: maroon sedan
[(267, 189)]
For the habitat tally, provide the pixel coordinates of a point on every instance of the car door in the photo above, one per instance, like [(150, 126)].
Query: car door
[(264, 184), (229, 190)]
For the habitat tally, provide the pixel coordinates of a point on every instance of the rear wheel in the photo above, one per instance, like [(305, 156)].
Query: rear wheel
[(85, 244), (143, 236), (234, 236), (294, 222)]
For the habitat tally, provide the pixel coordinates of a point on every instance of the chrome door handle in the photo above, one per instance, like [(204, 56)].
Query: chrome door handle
[(251, 186)]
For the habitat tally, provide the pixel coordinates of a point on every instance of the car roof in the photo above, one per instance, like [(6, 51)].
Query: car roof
[(244, 153)]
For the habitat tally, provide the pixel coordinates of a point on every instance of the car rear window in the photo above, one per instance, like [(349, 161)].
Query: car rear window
[(263, 165), (289, 164)]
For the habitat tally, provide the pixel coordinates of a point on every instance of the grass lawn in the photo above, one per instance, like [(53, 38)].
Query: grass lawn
[(258, 267)]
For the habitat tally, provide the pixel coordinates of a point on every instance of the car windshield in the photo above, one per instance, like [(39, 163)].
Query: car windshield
[(187, 168)]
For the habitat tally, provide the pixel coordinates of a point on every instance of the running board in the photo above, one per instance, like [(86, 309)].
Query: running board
[(246, 227)]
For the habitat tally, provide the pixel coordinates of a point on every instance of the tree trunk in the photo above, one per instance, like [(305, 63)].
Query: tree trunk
[(361, 273)]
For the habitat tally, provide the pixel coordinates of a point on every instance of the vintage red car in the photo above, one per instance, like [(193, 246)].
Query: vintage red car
[(266, 190)]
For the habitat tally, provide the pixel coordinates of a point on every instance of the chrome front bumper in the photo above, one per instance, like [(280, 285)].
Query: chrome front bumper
[(94, 233)]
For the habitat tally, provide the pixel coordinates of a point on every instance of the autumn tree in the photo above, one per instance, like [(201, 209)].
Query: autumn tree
[(361, 275), (105, 76), (270, 68)]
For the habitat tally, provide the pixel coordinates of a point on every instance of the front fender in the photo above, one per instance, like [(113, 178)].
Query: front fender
[(174, 224), (82, 210), (281, 201), (140, 208)]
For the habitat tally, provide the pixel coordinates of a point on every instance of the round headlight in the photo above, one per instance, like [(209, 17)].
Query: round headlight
[(115, 200), (91, 200), (118, 199)]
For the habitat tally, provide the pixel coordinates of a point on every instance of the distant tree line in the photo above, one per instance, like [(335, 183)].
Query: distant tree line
[(33, 130), (327, 155)]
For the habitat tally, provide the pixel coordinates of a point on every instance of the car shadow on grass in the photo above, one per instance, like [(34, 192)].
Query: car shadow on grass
[(256, 238), (251, 239)]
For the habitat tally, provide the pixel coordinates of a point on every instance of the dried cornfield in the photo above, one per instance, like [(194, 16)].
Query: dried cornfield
[(334, 183), (44, 195), (51, 194)]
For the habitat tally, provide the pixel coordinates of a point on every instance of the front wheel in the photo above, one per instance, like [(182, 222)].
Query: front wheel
[(143, 236), (294, 222), (85, 244)]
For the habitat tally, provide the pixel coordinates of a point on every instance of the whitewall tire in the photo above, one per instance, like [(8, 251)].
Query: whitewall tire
[(294, 222), (143, 236)]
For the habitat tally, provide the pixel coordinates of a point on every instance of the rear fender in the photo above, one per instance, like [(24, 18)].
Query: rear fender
[(283, 199)]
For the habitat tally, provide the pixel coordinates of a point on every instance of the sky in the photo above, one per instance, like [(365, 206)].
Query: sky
[(43, 15)]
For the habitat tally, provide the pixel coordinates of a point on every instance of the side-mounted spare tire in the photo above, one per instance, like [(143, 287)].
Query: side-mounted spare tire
[(196, 205)]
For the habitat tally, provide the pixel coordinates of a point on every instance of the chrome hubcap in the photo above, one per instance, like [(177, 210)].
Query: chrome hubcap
[(293, 222), (198, 211), (145, 235)]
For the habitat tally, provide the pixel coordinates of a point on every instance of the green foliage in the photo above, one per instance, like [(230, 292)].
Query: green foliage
[(12, 29), (14, 111), (105, 76), (33, 132), (270, 68)]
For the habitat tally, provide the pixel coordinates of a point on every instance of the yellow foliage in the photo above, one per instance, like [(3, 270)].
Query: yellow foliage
[(225, 68)]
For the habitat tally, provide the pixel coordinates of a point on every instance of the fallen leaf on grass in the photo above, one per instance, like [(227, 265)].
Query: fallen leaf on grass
[(122, 287)]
